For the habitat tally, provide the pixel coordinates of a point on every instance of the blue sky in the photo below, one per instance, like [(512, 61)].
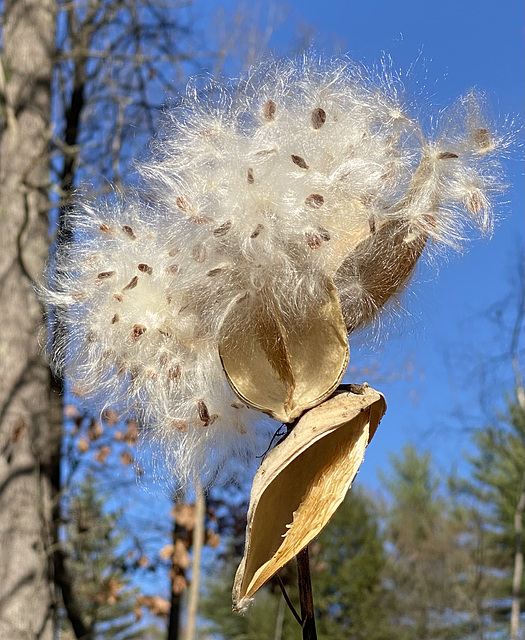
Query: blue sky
[(447, 339)]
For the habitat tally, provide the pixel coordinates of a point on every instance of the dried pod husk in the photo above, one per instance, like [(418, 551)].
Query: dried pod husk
[(377, 268), (278, 366), (301, 482)]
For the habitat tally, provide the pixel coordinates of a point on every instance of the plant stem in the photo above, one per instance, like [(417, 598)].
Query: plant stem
[(305, 595)]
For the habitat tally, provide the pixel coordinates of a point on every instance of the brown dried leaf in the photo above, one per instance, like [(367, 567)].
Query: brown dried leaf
[(301, 483), (284, 354)]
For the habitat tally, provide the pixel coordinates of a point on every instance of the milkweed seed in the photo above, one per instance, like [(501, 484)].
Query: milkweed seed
[(115, 318), (172, 269), (118, 297), (250, 176), (314, 200), (256, 231), (144, 268), (200, 220), (300, 162), (313, 239), (474, 202), (173, 252), (372, 224), (138, 331), (324, 233), (164, 332), (447, 155), (204, 414), (318, 118), (223, 229), (105, 274), (129, 232), (105, 228), (182, 203), (482, 138), (180, 425), (265, 152), (174, 373), (131, 284), (215, 272), (269, 110), (199, 253)]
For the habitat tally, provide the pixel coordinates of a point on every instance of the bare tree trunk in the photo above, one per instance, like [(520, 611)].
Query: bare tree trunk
[(198, 542), (28, 442)]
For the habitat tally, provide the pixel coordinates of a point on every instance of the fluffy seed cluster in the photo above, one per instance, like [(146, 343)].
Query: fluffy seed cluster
[(303, 172)]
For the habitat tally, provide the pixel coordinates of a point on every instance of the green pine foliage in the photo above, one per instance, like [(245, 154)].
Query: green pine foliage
[(429, 567), (99, 568), (491, 496)]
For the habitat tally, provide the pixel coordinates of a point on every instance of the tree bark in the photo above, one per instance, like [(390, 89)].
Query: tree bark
[(198, 542), (28, 431)]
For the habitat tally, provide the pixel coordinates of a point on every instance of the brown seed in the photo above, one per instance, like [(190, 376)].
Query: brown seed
[(257, 231), (129, 232), (482, 138), (447, 155), (223, 228), (269, 110), (173, 252), (474, 202), (200, 220), (372, 224), (182, 203), (199, 253), (204, 414), (215, 272), (105, 274), (131, 284), (265, 152), (165, 332), (115, 318), (318, 118), (324, 233), (144, 268), (138, 331), (105, 228), (174, 373), (250, 176), (118, 297), (313, 239), (172, 269), (314, 200), (300, 162)]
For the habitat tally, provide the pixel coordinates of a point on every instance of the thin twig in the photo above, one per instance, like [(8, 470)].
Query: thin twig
[(288, 601), (305, 595)]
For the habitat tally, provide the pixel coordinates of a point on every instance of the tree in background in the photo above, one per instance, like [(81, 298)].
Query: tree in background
[(428, 565), (495, 500)]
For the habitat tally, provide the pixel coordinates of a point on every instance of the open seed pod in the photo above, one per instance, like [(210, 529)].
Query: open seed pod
[(302, 481), (377, 268), (279, 366)]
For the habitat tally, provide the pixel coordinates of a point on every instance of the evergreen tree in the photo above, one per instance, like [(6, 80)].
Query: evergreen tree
[(428, 567), (496, 505), (99, 568)]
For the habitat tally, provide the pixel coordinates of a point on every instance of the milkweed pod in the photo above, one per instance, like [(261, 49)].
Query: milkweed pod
[(301, 482), (284, 365), (378, 267)]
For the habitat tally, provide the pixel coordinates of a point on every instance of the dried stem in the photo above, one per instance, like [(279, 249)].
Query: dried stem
[(305, 595)]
